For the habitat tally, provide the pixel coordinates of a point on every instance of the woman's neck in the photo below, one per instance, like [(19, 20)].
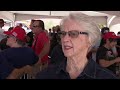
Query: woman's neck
[(75, 65)]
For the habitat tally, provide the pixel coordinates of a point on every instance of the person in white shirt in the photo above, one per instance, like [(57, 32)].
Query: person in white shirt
[(2, 35)]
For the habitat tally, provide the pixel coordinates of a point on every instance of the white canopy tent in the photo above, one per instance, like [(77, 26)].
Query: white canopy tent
[(7, 15), (27, 15), (24, 15), (100, 16)]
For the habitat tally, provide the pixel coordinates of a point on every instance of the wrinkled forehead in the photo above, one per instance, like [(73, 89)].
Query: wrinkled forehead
[(69, 25)]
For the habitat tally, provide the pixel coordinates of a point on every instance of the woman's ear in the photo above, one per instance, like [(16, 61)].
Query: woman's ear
[(89, 42)]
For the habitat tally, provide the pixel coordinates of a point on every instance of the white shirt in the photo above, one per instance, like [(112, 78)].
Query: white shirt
[(114, 49), (2, 35)]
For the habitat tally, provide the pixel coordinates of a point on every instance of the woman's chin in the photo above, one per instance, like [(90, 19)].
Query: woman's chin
[(68, 54)]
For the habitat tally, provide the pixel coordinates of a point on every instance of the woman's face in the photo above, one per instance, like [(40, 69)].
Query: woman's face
[(77, 43)]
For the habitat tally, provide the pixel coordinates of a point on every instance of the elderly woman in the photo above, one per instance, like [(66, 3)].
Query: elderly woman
[(78, 34)]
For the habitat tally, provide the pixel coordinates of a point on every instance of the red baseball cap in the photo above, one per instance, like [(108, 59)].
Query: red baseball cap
[(17, 32), (110, 35)]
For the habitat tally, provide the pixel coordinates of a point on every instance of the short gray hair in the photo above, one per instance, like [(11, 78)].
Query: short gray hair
[(88, 25)]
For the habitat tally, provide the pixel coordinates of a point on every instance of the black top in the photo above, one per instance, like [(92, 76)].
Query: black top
[(118, 49), (57, 54), (106, 54), (91, 71)]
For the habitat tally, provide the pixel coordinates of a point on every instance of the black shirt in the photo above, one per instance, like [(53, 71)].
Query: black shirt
[(118, 48), (106, 54), (91, 71), (57, 54)]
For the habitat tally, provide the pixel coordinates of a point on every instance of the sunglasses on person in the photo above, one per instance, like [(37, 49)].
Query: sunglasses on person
[(8, 36), (35, 26), (72, 34)]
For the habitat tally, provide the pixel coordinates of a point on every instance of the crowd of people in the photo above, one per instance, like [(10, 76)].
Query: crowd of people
[(75, 49)]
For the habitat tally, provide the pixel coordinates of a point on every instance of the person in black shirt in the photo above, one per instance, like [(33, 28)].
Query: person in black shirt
[(105, 56), (30, 38), (57, 54)]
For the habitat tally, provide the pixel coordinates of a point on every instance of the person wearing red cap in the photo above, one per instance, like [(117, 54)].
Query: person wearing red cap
[(105, 56), (114, 49), (18, 33), (18, 55)]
